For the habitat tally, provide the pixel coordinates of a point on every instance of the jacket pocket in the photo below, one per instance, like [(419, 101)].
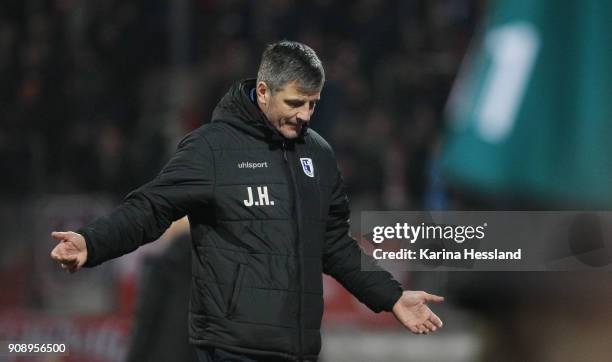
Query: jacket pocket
[(236, 291)]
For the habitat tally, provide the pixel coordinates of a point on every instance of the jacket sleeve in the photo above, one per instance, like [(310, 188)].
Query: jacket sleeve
[(342, 259), (185, 183)]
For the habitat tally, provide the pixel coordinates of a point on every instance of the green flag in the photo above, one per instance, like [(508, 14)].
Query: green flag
[(531, 111)]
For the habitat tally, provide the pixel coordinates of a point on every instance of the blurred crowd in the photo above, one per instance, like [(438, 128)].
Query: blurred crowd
[(96, 94)]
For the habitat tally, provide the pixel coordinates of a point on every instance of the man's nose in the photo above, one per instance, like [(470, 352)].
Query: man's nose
[(304, 115)]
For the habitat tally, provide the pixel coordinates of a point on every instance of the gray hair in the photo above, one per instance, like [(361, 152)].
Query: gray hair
[(287, 61)]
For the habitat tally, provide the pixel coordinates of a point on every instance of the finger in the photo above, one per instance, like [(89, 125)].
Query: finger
[(65, 260), (419, 329), (58, 252), (55, 255), (61, 235), (58, 255), (433, 298), (430, 326), (436, 320)]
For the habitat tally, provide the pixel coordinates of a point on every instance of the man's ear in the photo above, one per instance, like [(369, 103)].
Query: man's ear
[(262, 92)]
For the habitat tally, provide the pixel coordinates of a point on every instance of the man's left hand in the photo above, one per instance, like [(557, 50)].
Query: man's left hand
[(412, 311)]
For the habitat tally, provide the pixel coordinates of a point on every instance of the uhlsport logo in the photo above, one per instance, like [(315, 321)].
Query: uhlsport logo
[(262, 200), (307, 166), (253, 165)]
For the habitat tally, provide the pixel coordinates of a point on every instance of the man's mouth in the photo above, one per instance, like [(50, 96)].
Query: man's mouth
[(294, 124)]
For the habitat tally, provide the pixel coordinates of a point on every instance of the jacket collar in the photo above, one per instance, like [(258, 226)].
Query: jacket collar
[(237, 109)]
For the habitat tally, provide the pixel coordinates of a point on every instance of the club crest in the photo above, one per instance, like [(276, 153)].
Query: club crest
[(307, 166)]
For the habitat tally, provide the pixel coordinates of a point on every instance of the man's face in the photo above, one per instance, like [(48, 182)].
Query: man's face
[(289, 109)]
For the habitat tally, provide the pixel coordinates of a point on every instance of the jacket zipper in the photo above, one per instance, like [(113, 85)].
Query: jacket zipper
[(298, 216)]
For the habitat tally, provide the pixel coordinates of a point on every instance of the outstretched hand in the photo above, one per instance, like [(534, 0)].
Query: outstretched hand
[(412, 311), (71, 252)]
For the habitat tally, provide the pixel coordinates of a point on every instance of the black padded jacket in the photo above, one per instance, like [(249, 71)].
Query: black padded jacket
[(268, 216)]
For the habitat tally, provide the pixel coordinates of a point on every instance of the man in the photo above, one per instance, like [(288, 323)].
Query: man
[(268, 216)]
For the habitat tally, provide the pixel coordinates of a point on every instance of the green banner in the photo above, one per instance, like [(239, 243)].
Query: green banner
[(531, 111)]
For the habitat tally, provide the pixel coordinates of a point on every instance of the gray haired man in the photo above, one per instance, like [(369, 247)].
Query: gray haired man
[(261, 236)]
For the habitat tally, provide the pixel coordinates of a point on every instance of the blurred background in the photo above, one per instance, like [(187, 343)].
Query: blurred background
[(429, 104)]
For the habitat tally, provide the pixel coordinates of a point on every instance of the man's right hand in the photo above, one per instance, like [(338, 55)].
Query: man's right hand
[(71, 252)]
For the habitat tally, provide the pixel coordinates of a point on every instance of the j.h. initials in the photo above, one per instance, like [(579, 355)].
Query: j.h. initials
[(263, 198)]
